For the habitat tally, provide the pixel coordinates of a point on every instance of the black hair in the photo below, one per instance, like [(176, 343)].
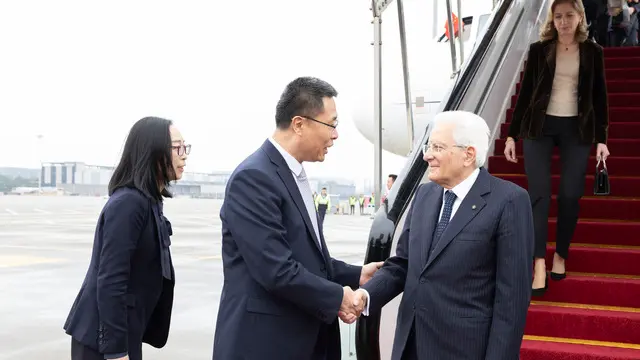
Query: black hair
[(302, 97), (146, 159), (393, 176), (324, 188)]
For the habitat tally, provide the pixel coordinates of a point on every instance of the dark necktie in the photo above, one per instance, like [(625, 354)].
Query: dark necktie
[(449, 199)]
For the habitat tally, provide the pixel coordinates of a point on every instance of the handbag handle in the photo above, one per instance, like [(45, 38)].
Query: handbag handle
[(604, 162)]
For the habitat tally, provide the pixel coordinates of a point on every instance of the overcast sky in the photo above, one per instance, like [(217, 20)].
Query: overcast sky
[(82, 72)]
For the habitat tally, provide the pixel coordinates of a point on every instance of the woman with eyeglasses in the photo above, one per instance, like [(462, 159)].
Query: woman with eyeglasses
[(127, 294)]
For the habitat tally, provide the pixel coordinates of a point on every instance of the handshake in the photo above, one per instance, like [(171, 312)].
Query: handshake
[(353, 303)]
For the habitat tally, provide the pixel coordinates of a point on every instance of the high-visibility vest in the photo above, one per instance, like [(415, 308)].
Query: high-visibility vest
[(323, 200)]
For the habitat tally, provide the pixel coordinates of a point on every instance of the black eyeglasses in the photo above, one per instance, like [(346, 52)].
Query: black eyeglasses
[(182, 149), (335, 125)]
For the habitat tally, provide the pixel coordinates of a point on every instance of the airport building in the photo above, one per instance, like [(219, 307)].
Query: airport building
[(77, 178)]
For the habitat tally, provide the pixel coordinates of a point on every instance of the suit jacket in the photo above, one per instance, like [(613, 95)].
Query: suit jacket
[(469, 299), (125, 300), (535, 92), (282, 290)]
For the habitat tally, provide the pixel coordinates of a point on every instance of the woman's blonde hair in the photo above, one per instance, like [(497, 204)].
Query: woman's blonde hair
[(549, 31)]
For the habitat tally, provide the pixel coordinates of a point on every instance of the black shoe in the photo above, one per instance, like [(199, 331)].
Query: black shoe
[(541, 291), (557, 277)]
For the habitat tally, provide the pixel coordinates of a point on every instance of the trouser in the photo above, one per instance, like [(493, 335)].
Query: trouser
[(574, 157), (353, 209), (80, 351), (361, 209), (322, 210)]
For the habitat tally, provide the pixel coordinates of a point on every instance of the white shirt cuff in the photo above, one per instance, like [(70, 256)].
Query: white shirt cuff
[(365, 312)]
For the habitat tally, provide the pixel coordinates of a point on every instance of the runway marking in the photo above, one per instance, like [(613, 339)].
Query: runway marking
[(7, 261), (11, 211), (42, 211)]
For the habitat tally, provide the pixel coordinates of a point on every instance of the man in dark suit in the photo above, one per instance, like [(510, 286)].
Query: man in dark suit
[(282, 291), (463, 259)]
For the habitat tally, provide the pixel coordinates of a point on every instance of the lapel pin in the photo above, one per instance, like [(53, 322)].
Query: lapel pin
[(473, 207)]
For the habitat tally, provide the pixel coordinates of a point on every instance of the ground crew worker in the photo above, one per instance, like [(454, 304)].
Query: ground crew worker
[(352, 204), (323, 202), (361, 204)]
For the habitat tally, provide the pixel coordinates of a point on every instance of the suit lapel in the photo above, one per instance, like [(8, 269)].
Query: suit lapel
[(550, 57), (431, 217), (583, 70), (290, 183), (471, 206)]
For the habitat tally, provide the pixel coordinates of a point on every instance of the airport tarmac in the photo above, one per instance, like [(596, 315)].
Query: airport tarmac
[(45, 247)]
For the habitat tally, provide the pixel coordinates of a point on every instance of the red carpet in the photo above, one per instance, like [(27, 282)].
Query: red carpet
[(593, 314)]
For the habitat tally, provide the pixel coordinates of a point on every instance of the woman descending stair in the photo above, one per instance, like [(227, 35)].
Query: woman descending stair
[(593, 313), (553, 111)]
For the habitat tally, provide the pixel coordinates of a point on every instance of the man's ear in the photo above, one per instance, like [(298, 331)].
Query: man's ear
[(296, 124), (471, 155)]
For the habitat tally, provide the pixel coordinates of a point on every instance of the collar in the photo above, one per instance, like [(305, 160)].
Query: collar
[(461, 190), (294, 165)]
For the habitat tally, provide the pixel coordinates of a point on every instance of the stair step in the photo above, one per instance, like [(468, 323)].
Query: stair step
[(621, 52), (601, 232), (616, 114), (586, 322), (605, 259), (595, 289), (621, 130), (620, 185), (613, 86), (620, 62), (554, 348), (623, 166), (629, 100), (617, 147)]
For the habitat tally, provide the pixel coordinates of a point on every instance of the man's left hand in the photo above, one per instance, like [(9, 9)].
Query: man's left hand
[(368, 271)]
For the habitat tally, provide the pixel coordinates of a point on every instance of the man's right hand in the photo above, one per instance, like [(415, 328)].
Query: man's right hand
[(353, 304), (122, 358)]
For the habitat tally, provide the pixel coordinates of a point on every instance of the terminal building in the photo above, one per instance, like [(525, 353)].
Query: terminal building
[(77, 178)]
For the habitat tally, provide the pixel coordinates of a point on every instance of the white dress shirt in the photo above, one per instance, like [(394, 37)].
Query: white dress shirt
[(461, 190), (303, 185)]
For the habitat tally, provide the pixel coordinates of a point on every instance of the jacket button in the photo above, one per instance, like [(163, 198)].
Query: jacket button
[(423, 280)]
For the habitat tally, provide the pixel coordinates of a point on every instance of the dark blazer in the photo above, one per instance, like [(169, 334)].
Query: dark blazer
[(469, 299), (535, 91), (281, 292), (125, 300)]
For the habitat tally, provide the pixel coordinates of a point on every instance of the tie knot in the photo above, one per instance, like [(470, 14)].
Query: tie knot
[(302, 176), (449, 196)]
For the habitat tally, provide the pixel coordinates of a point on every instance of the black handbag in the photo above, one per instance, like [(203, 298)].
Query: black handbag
[(601, 183)]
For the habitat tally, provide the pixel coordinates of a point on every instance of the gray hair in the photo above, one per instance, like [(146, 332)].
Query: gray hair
[(469, 129)]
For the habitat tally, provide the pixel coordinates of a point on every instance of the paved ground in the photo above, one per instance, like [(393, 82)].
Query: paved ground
[(45, 246)]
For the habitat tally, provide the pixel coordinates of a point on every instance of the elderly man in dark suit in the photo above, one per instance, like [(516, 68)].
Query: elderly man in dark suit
[(463, 259), (283, 292)]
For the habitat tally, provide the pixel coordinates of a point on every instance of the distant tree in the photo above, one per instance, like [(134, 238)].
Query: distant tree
[(7, 183)]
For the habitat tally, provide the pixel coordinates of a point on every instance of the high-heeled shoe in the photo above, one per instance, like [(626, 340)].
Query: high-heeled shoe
[(557, 276), (541, 291)]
